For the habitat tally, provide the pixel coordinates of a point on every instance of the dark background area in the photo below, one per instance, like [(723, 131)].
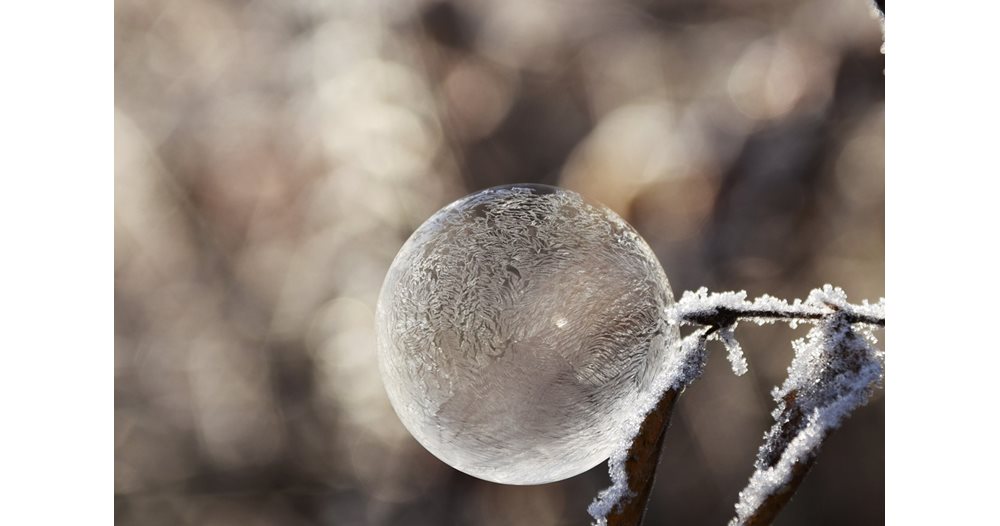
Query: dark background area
[(272, 157)]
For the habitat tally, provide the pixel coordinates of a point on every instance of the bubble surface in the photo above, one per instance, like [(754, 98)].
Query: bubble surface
[(516, 326)]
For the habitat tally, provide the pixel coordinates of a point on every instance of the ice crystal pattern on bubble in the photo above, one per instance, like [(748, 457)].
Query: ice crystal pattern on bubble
[(516, 327)]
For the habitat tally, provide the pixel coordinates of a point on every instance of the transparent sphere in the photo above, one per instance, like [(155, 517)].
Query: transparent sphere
[(516, 326)]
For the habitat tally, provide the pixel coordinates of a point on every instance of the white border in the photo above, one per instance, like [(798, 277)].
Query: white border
[(942, 360), (56, 263)]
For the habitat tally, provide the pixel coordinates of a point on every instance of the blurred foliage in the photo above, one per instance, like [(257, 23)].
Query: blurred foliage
[(272, 157)]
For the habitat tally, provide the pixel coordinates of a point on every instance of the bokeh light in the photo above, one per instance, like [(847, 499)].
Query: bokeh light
[(272, 157)]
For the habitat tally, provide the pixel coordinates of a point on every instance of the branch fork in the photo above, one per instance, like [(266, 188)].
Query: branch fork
[(835, 370)]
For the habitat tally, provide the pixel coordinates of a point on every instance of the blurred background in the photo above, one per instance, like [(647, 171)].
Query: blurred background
[(272, 157)]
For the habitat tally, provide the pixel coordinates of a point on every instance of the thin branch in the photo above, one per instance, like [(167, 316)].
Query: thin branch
[(773, 504), (632, 464), (724, 309), (790, 424), (725, 316), (643, 457), (835, 370)]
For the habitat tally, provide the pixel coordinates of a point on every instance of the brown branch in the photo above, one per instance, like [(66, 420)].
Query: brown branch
[(842, 356), (724, 316), (790, 423), (768, 510), (643, 457)]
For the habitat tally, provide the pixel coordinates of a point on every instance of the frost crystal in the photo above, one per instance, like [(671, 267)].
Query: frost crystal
[(680, 370), (834, 371), (699, 306), (735, 356)]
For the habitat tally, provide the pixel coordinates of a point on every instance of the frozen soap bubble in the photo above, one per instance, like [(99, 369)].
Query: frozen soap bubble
[(515, 329)]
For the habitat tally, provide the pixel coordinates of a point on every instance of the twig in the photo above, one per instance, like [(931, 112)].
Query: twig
[(790, 423), (633, 463), (768, 510), (641, 462), (724, 309), (834, 372), (725, 316)]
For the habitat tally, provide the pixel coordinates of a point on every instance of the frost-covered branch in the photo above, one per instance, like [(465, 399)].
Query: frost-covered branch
[(632, 465), (723, 309), (835, 369)]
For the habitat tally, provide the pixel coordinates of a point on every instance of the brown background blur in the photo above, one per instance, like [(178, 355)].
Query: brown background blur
[(272, 157)]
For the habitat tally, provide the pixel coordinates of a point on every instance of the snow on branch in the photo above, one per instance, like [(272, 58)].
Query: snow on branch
[(835, 369), (723, 309), (632, 464)]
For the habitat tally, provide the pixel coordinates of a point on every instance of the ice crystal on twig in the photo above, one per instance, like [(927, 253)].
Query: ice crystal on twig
[(834, 371), (681, 369), (728, 337)]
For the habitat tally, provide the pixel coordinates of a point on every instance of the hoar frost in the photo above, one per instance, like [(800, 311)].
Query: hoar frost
[(680, 369), (834, 371)]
